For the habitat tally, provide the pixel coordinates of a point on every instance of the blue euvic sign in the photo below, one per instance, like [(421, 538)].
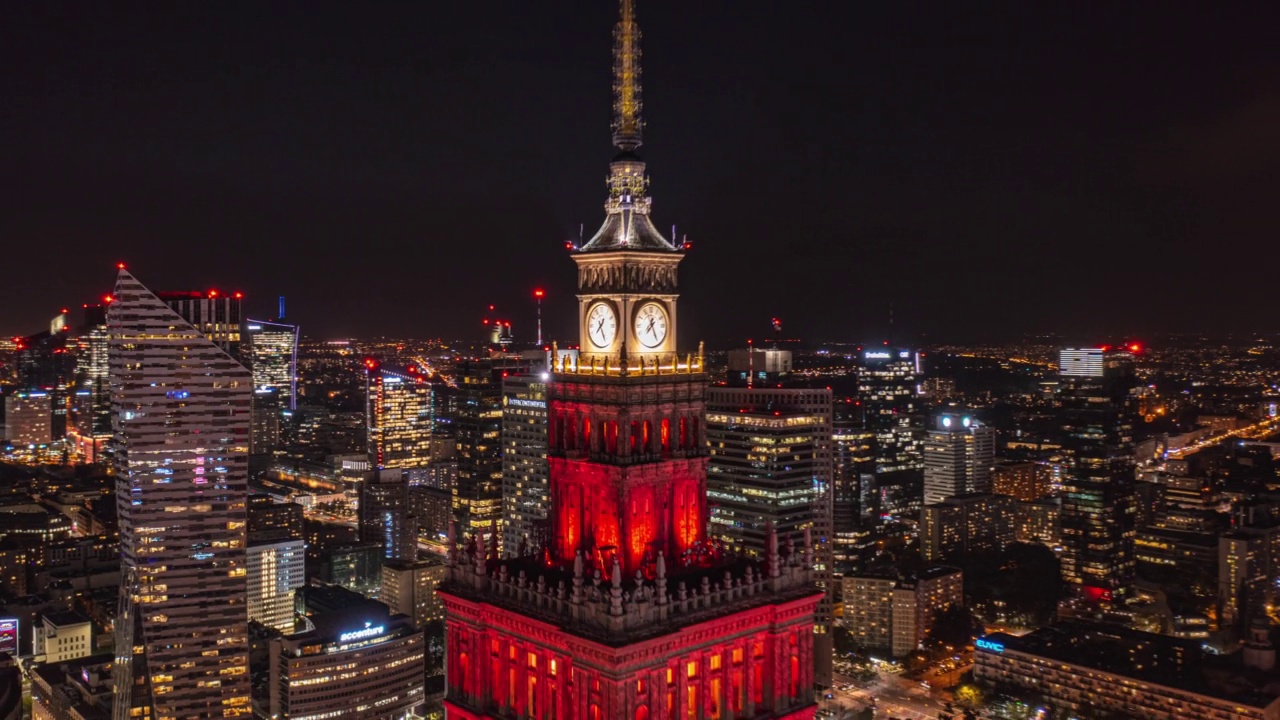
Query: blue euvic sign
[(989, 645)]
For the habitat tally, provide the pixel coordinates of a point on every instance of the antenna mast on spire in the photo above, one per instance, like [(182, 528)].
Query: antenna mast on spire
[(627, 125)]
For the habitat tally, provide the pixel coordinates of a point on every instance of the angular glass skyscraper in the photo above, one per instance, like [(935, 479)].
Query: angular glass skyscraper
[(1099, 505), (180, 422), (271, 351)]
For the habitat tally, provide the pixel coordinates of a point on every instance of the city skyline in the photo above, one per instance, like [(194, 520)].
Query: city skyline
[(877, 508), (968, 173)]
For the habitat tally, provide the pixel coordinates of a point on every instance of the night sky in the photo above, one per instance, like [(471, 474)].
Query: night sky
[(987, 170)]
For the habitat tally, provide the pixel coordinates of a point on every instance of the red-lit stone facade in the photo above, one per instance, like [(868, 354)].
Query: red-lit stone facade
[(740, 648), (628, 465)]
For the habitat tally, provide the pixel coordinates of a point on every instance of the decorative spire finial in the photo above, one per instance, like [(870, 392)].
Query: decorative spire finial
[(627, 125)]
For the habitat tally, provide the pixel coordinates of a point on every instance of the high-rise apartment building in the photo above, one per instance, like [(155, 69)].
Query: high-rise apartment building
[(886, 612), (1026, 481), (409, 588), (533, 636), (868, 609), (525, 472), (1098, 501), (917, 601), (967, 524), (180, 415), (959, 454), (399, 412)]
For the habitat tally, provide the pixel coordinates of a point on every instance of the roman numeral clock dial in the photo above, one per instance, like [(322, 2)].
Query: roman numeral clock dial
[(651, 325), (602, 325)]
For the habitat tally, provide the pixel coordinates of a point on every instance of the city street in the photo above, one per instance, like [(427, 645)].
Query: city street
[(895, 697)]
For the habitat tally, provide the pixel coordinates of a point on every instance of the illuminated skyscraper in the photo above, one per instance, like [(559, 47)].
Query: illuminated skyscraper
[(771, 469), (276, 570), (386, 516), (398, 408), (180, 415), (1099, 505), (90, 425), (889, 392), (525, 482), (959, 454), (270, 350), (276, 558), (477, 498), (630, 614), (217, 315)]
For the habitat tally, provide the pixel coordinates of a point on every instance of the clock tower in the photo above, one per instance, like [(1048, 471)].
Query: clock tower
[(627, 270), (629, 612)]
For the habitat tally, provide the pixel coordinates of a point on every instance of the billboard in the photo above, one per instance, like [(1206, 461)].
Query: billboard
[(9, 636)]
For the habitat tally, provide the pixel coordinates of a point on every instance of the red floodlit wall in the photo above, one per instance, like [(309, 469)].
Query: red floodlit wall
[(744, 665)]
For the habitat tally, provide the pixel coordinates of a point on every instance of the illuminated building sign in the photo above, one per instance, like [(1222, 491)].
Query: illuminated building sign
[(9, 636), (361, 634), (518, 402), (994, 647), (876, 355)]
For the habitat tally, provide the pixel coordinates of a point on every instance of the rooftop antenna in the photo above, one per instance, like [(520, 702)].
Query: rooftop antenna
[(890, 322)]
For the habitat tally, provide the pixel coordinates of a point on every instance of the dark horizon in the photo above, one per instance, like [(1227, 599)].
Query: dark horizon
[(394, 169)]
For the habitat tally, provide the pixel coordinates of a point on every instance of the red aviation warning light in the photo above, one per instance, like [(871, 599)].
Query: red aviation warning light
[(120, 266), (539, 294), (1135, 347), (213, 293), (239, 296)]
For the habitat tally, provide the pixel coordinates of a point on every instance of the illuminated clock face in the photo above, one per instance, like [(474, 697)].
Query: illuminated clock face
[(602, 325), (651, 325)]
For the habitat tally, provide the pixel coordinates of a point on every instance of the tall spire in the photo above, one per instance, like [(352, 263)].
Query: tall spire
[(627, 125), (627, 225)]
